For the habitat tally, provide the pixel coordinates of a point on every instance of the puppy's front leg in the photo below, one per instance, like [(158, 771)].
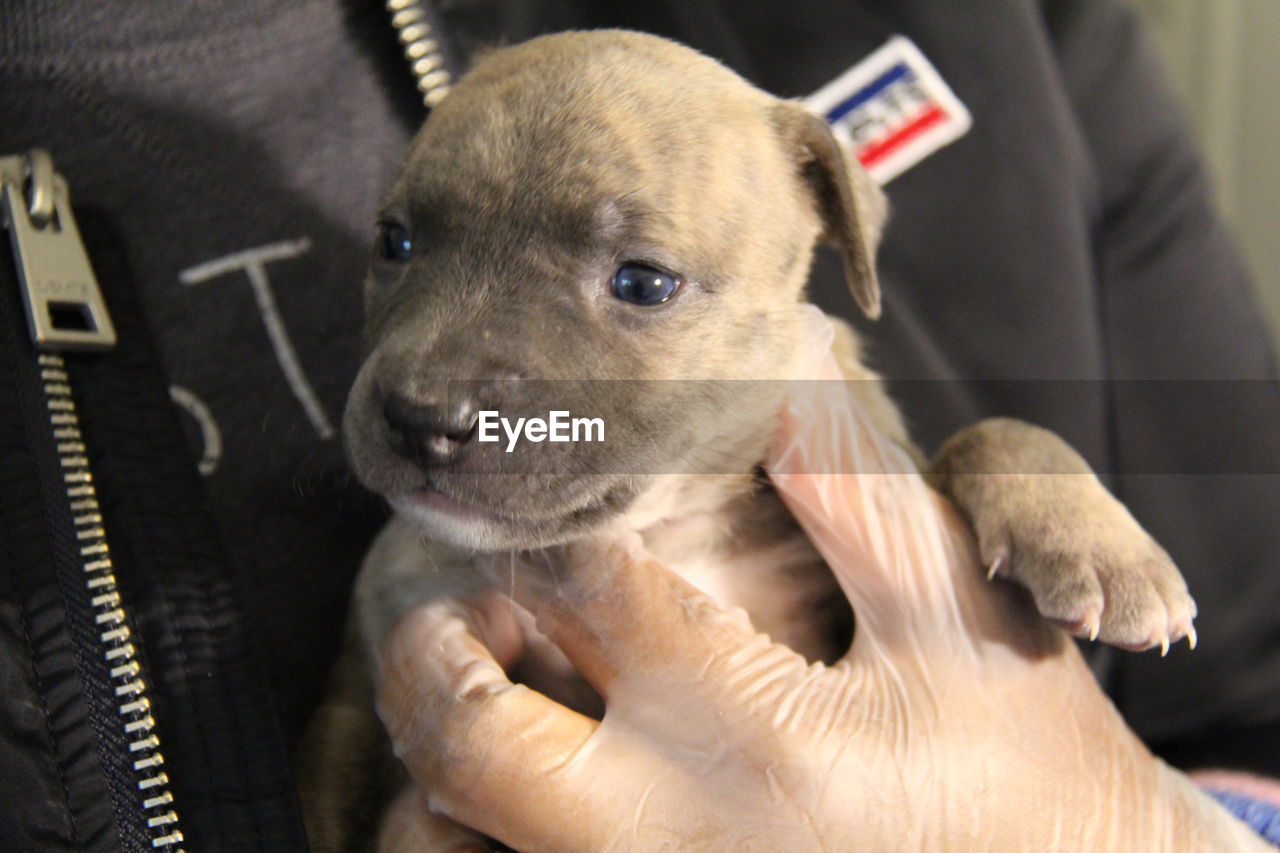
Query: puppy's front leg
[(1043, 519), (344, 763)]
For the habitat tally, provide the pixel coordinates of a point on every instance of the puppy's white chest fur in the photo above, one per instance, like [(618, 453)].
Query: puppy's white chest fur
[(733, 539), (785, 587)]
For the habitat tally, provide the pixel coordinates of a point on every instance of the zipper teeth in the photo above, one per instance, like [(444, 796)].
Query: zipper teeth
[(110, 618), (421, 48)]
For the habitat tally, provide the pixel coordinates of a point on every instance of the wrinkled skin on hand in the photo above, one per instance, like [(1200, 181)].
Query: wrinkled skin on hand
[(959, 720)]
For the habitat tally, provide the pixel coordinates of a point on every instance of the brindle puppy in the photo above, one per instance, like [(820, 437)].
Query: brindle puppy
[(593, 207)]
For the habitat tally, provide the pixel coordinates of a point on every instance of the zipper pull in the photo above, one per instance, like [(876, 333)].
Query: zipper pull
[(65, 308)]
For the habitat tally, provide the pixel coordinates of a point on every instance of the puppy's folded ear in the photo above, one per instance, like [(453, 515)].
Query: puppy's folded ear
[(852, 207)]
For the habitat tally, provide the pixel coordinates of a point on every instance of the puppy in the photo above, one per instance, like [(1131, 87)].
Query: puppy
[(610, 224)]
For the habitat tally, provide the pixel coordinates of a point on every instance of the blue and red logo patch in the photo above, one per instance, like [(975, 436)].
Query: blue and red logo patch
[(892, 109)]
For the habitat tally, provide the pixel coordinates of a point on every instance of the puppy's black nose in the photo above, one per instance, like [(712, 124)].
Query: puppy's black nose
[(430, 433)]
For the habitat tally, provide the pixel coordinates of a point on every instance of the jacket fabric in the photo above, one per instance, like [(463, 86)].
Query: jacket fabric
[(1062, 263)]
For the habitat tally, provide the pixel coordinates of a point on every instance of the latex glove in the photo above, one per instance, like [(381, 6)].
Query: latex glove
[(960, 720)]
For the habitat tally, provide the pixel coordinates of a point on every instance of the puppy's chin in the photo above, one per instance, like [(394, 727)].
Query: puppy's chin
[(446, 519)]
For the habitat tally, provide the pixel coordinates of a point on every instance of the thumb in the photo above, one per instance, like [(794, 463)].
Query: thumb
[(895, 546)]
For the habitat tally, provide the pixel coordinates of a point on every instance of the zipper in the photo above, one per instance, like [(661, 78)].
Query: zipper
[(422, 48), (65, 311)]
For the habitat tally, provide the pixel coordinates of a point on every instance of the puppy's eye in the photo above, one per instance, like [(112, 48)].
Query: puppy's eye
[(643, 285), (394, 242)]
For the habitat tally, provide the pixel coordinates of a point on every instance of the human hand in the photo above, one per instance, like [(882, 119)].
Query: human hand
[(959, 720)]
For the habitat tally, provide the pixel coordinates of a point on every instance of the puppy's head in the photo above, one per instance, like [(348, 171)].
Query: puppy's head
[(604, 223)]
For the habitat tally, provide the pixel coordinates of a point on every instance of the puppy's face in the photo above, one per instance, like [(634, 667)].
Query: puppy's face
[(601, 223)]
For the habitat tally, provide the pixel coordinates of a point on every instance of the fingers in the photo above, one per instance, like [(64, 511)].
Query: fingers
[(515, 765), (469, 737), (618, 615)]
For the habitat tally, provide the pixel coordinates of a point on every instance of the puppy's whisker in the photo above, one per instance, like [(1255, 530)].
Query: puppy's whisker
[(549, 564), (511, 590)]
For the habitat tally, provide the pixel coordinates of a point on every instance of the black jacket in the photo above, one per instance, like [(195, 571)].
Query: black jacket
[(1061, 263)]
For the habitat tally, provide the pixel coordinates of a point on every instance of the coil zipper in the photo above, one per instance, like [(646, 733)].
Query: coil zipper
[(422, 48), (109, 612), (65, 310)]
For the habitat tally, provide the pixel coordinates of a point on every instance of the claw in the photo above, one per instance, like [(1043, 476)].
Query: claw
[(1191, 637), (1164, 646), (1094, 628), (996, 565)]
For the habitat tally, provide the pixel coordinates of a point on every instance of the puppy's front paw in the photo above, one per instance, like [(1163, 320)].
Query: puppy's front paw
[(1042, 519), (1087, 562)]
